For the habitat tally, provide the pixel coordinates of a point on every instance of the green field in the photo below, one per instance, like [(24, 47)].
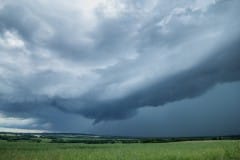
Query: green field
[(192, 150)]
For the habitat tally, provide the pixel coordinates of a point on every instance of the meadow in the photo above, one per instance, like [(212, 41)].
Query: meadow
[(188, 150)]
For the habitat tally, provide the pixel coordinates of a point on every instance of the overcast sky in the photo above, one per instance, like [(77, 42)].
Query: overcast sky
[(120, 67)]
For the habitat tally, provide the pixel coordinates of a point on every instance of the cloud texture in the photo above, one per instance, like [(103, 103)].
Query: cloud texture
[(105, 60)]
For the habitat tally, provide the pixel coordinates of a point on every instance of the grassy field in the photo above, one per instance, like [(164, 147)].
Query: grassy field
[(192, 150)]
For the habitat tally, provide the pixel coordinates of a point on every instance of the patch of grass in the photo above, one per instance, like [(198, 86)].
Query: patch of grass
[(193, 150)]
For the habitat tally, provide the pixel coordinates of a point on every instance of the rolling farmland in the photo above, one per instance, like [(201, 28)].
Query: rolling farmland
[(45, 149)]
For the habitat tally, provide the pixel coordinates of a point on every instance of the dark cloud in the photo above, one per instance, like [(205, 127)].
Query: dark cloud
[(212, 114), (106, 61), (221, 67)]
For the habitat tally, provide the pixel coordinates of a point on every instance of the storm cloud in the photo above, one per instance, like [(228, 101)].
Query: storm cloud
[(106, 60)]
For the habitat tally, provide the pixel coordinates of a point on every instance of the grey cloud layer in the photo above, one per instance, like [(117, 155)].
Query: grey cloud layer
[(187, 84), (105, 62)]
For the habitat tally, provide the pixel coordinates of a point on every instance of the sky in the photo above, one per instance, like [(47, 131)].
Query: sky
[(120, 67)]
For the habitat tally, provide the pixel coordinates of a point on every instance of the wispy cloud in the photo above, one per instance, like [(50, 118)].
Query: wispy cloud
[(17, 130)]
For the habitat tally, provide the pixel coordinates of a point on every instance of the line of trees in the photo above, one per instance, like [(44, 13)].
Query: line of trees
[(56, 138), (20, 138)]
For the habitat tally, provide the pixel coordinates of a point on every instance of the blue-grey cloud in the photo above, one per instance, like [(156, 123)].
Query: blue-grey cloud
[(105, 60)]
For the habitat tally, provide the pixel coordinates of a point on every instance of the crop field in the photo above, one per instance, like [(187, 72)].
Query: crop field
[(189, 150)]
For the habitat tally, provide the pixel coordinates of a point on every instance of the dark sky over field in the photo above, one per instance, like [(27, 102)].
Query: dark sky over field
[(120, 67)]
